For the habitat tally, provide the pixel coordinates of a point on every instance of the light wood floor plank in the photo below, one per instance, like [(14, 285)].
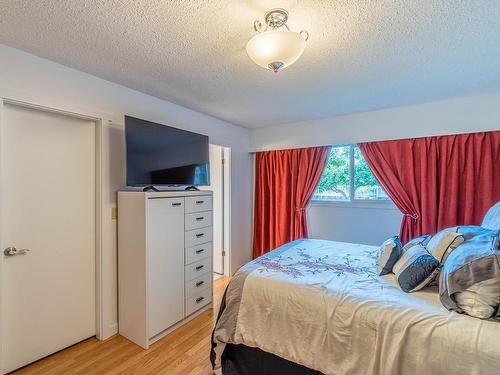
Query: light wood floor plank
[(186, 351)]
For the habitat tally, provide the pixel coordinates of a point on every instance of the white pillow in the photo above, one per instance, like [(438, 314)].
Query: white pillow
[(444, 242), (481, 300)]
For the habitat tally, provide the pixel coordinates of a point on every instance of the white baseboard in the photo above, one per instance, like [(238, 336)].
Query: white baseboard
[(108, 331)]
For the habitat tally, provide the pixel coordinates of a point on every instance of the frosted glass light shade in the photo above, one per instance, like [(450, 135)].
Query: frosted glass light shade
[(276, 49)]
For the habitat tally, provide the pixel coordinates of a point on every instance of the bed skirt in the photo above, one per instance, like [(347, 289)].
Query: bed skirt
[(244, 360)]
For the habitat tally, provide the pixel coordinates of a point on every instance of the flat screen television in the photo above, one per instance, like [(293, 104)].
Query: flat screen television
[(160, 155)]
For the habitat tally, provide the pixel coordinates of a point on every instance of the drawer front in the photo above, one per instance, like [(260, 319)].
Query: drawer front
[(198, 285), (198, 269), (198, 301), (198, 236), (199, 252), (198, 220), (198, 203)]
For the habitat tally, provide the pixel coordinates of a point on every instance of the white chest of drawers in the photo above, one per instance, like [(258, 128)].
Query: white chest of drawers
[(164, 261), (198, 252)]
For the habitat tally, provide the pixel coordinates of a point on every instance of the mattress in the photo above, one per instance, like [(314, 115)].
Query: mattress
[(321, 304)]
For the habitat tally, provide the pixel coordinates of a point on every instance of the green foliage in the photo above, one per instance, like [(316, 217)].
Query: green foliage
[(363, 176), (336, 175)]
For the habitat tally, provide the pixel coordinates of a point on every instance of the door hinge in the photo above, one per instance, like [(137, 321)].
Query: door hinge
[(223, 161), (223, 253), (114, 213)]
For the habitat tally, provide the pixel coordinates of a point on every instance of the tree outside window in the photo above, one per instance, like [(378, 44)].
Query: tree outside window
[(347, 177)]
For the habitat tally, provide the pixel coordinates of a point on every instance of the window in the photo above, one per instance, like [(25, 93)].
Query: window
[(347, 178)]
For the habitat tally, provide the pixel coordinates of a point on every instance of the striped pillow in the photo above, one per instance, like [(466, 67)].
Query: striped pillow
[(388, 255), (444, 242), (415, 269), (422, 240)]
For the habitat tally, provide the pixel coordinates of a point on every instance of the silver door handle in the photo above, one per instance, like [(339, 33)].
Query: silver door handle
[(11, 251)]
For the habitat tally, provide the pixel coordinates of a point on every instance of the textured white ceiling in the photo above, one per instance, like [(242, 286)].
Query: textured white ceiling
[(362, 55)]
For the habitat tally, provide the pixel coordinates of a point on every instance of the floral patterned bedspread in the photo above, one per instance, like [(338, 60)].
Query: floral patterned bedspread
[(301, 261), (321, 304)]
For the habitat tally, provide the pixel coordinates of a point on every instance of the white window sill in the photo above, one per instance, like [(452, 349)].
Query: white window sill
[(373, 204)]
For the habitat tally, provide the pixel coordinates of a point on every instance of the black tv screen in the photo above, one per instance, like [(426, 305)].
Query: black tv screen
[(161, 155)]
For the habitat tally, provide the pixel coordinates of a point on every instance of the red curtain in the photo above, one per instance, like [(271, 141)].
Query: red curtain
[(284, 184), (438, 182)]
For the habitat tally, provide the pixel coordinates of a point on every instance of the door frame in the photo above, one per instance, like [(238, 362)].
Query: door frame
[(99, 152), (226, 206)]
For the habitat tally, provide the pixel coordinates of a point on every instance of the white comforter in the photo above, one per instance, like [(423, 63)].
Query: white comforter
[(321, 304)]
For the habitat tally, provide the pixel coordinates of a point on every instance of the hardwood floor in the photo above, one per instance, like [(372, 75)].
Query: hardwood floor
[(184, 352)]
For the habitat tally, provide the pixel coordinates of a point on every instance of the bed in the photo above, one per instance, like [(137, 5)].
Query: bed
[(318, 307)]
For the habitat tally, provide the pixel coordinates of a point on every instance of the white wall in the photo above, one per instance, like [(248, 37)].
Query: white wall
[(28, 78), (462, 115), (352, 223)]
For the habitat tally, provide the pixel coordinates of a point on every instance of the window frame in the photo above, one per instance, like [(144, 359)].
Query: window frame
[(352, 202)]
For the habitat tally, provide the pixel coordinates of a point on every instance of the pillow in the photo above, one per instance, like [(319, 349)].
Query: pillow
[(444, 242), (422, 240), (415, 269), (471, 231), (476, 260), (481, 300), (388, 254), (492, 218)]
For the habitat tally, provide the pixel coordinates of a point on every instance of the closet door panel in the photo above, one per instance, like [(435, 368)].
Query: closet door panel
[(165, 258)]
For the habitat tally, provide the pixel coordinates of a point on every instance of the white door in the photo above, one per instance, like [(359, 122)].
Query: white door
[(165, 243), (47, 206), (217, 187)]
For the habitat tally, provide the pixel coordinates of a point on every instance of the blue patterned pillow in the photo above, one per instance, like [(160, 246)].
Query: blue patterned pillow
[(388, 255), (415, 269)]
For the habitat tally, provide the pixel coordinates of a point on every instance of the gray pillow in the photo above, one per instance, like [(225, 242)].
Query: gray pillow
[(415, 269), (492, 218), (481, 300), (471, 231), (388, 255), (475, 260)]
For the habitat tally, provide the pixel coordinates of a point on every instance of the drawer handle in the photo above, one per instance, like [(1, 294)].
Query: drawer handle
[(200, 251), (199, 267), (199, 202), (176, 204), (199, 218), (199, 299), (200, 283), (200, 235)]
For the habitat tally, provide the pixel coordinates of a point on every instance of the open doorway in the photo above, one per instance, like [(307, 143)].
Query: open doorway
[(220, 159)]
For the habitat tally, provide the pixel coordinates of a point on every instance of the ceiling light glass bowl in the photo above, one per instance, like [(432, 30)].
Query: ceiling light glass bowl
[(275, 46), (276, 49)]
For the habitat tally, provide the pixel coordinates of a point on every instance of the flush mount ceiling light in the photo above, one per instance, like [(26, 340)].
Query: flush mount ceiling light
[(275, 48)]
